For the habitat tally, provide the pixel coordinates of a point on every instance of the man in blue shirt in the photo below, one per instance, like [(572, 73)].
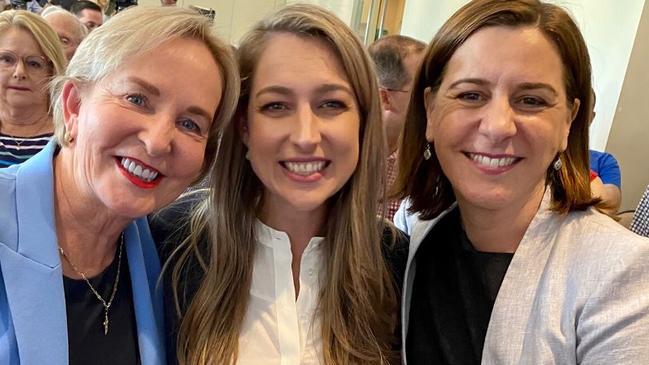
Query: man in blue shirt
[(608, 185)]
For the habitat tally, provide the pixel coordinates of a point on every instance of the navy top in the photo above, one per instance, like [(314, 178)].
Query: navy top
[(15, 150), (606, 166), (453, 296)]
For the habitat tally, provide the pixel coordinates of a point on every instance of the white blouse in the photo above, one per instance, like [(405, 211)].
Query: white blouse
[(277, 329)]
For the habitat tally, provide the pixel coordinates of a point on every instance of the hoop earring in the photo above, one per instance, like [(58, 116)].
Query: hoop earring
[(427, 153), (557, 164)]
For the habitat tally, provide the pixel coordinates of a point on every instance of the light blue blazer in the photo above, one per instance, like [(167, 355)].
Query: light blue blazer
[(33, 323)]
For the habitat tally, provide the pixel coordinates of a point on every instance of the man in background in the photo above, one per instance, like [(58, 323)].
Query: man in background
[(89, 14), (69, 29), (397, 59), (606, 178)]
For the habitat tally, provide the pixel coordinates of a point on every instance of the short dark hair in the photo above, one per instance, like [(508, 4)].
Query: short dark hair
[(388, 54), (423, 181), (78, 6)]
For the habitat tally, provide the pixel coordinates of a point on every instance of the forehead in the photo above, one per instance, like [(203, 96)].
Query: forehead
[(62, 24), (19, 40), (89, 14), (507, 53), (311, 61)]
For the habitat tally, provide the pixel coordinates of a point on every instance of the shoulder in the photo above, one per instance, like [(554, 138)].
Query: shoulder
[(169, 225), (395, 246), (601, 245)]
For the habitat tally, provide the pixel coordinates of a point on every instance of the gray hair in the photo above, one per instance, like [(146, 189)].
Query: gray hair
[(136, 31), (388, 54), (82, 31)]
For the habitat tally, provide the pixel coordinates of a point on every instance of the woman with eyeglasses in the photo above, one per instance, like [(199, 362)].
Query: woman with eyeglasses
[(30, 55)]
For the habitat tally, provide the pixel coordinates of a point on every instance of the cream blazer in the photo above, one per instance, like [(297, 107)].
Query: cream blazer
[(576, 292)]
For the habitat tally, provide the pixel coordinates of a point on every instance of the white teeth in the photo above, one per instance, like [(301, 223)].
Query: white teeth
[(305, 168), (492, 162), (134, 169)]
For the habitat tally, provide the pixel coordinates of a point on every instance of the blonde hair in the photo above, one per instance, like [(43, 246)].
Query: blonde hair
[(357, 301), (138, 30), (46, 38)]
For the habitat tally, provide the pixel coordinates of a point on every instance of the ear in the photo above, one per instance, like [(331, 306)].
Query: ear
[(386, 100), (573, 114), (429, 101), (71, 101)]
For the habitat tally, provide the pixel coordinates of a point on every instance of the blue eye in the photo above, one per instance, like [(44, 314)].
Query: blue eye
[(136, 99), (189, 125)]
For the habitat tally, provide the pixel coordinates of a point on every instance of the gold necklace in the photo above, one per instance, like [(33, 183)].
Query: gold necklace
[(92, 288)]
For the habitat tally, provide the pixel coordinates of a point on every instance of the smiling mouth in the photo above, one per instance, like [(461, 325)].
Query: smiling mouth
[(19, 88), (305, 168), (137, 169), (493, 162)]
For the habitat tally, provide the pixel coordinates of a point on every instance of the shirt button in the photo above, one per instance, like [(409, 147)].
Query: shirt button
[(310, 272)]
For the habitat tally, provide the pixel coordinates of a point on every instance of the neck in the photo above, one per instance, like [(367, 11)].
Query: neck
[(88, 234), (25, 122), (500, 230), (300, 227)]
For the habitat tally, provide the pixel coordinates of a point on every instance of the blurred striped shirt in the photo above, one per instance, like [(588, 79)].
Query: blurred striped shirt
[(15, 150)]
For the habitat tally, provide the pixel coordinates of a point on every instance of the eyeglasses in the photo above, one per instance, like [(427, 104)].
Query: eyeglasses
[(36, 65)]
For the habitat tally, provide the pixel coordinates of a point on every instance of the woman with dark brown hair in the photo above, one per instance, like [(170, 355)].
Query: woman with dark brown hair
[(510, 261)]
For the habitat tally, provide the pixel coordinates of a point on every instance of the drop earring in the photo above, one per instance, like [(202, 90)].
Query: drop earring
[(427, 152), (557, 164)]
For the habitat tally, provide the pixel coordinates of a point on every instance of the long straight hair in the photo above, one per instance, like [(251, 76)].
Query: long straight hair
[(357, 302)]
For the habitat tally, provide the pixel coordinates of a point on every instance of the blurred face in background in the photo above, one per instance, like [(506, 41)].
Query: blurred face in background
[(24, 70), (68, 28), (91, 18)]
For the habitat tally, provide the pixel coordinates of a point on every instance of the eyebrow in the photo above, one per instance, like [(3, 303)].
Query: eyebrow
[(145, 85), (282, 90), (537, 85), (523, 86), (475, 81), (156, 92)]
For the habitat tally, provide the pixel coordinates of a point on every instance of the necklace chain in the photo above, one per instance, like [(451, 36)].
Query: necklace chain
[(92, 288)]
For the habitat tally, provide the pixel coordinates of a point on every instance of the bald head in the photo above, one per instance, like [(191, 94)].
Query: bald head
[(69, 29)]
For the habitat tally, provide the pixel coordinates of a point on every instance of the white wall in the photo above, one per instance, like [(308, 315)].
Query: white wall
[(609, 28)]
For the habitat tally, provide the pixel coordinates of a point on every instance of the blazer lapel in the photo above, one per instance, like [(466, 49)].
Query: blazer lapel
[(31, 268), (513, 307), (146, 300)]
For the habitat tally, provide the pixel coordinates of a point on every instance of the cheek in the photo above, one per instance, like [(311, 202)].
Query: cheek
[(191, 161)]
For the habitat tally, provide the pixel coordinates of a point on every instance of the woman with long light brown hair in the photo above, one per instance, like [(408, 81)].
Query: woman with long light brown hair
[(286, 261)]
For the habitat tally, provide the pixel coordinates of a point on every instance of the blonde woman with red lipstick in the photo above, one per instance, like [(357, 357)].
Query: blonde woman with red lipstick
[(30, 56), (286, 261), (510, 260), (79, 267)]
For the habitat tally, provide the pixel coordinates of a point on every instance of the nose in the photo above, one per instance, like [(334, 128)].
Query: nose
[(157, 135), (305, 132), (499, 120), (20, 72)]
